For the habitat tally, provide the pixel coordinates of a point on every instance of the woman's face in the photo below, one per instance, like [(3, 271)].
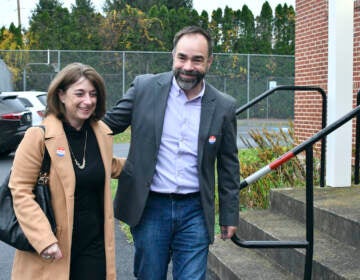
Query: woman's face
[(79, 101)]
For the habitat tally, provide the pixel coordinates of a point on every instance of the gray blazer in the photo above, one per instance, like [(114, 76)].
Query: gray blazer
[(143, 108)]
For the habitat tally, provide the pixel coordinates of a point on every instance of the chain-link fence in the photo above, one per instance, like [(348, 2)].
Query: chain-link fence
[(242, 76)]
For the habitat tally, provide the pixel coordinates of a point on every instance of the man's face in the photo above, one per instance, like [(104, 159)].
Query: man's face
[(191, 62)]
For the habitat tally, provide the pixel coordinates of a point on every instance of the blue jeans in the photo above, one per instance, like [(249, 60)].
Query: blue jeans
[(171, 229)]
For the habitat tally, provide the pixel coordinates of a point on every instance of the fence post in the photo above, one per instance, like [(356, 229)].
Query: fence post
[(248, 84), (123, 74)]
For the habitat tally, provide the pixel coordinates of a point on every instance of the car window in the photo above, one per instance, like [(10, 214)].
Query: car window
[(42, 98), (11, 104), (26, 102)]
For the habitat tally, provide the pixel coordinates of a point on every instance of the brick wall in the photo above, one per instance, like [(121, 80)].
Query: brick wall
[(311, 50), (311, 63)]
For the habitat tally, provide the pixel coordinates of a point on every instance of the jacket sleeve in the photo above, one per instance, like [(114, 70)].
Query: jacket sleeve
[(228, 168), (118, 118)]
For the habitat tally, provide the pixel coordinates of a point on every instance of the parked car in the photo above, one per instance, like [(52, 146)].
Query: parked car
[(35, 101), (15, 119)]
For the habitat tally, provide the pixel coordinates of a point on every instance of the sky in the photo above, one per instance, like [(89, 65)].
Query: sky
[(8, 10)]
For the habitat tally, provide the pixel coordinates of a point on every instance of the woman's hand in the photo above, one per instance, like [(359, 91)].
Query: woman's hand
[(52, 252)]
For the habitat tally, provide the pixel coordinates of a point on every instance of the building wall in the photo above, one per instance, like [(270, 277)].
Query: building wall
[(311, 51), (311, 63)]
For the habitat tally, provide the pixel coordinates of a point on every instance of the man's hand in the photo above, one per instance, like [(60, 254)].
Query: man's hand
[(227, 232)]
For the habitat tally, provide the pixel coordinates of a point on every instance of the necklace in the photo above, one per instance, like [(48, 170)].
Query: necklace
[(82, 165)]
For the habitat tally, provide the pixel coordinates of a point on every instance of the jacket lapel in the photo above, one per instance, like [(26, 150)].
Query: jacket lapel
[(206, 117), (162, 89), (57, 145)]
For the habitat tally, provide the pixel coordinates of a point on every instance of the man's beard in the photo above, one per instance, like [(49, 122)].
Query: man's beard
[(188, 84)]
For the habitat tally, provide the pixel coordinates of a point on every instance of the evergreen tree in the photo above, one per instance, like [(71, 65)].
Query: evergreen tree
[(264, 30), (228, 30), (86, 23), (215, 27), (246, 38), (204, 20), (50, 26), (145, 5), (284, 29), (165, 34)]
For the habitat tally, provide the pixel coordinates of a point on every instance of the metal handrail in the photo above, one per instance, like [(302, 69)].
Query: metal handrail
[(307, 145), (323, 116)]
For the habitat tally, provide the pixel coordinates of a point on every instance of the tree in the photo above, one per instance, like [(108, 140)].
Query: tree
[(145, 5), (215, 27), (246, 38), (50, 26), (227, 30), (12, 38), (284, 30), (204, 20), (264, 30), (131, 29), (86, 24)]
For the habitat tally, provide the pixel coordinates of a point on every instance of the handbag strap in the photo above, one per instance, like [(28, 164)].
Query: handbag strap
[(45, 166)]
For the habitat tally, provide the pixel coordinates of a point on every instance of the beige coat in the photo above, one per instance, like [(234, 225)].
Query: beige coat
[(26, 166)]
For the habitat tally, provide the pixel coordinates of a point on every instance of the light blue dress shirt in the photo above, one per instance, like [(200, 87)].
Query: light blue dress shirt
[(176, 168)]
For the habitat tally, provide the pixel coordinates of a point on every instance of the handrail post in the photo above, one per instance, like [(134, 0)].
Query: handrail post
[(357, 143), (323, 140), (309, 212)]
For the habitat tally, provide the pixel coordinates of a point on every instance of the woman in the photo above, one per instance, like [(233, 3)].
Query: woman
[(82, 164)]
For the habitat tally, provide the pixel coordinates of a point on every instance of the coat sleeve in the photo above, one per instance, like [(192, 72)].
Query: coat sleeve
[(25, 170), (228, 168), (118, 118)]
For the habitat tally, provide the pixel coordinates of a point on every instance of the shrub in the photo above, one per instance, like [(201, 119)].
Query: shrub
[(264, 147)]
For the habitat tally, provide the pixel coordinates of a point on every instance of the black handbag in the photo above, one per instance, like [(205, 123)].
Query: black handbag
[(10, 230)]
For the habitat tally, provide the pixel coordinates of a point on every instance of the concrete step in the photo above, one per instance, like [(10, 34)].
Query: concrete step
[(230, 262), (336, 212), (332, 259), (336, 238)]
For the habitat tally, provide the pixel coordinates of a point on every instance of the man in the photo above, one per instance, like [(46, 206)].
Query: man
[(180, 127)]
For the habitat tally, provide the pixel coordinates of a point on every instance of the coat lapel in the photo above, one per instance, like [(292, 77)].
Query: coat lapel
[(162, 89), (58, 148), (206, 117)]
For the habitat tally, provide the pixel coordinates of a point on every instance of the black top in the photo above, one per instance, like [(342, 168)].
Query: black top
[(89, 189)]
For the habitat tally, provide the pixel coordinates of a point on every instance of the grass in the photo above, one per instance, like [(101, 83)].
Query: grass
[(123, 137)]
